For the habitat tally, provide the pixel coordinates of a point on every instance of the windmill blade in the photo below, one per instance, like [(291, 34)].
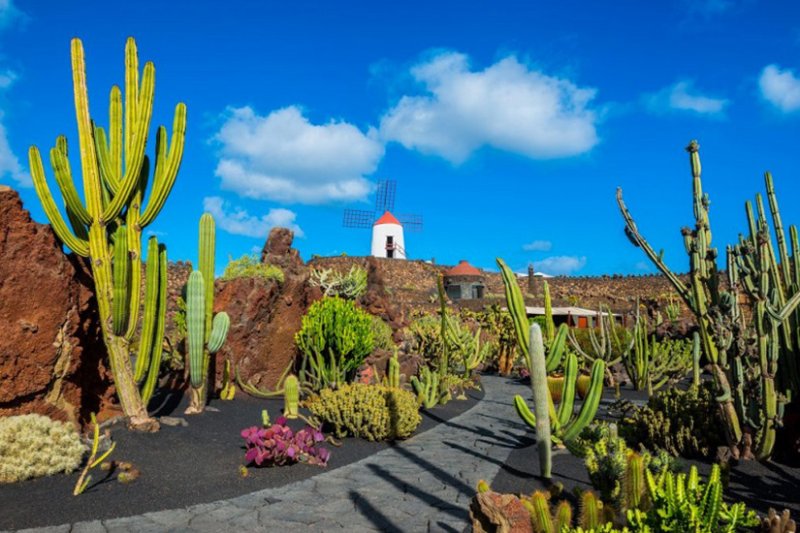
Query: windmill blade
[(412, 223), (358, 218), (384, 196)]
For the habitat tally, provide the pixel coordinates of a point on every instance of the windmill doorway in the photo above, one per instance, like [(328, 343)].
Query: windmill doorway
[(390, 246)]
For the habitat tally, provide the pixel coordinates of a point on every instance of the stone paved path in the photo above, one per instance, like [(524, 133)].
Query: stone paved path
[(422, 484)]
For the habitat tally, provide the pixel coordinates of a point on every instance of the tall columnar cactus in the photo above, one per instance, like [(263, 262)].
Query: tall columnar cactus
[(206, 332), (565, 425), (108, 227), (749, 399), (291, 396), (541, 401)]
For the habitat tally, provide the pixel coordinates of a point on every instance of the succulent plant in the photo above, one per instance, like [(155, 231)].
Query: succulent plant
[(34, 446), (278, 445), (372, 412)]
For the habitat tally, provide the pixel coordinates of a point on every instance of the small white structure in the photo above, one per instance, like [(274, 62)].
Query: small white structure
[(387, 238)]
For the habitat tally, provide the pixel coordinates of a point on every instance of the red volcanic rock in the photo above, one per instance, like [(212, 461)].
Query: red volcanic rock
[(265, 315), (51, 353), (278, 249), (491, 512)]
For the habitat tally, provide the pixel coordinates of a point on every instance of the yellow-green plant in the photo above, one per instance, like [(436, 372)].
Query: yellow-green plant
[(108, 227), (334, 339), (84, 479), (249, 266), (372, 412), (34, 446)]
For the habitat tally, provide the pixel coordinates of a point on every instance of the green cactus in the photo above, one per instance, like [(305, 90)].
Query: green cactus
[(115, 177), (608, 345), (393, 371), (750, 400), (429, 389), (633, 485), (206, 332), (539, 508), (653, 363), (291, 396), (696, 360), (541, 401), (565, 425), (591, 511)]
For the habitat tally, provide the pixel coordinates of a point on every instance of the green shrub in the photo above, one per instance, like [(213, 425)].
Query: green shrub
[(34, 446), (334, 339), (372, 412), (684, 423), (249, 266), (382, 334)]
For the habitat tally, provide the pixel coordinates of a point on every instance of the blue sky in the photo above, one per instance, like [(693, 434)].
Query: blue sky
[(507, 125)]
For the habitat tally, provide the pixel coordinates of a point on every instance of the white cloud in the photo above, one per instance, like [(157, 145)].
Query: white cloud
[(780, 88), (560, 264), (682, 96), (538, 246), (9, 164), (508, 106), (644, 266), (285, 158), (238, 221)]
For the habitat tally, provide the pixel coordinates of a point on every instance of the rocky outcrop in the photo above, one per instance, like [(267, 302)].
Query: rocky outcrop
[(51, 353), (278, 250), (491, 512), (265, 315)]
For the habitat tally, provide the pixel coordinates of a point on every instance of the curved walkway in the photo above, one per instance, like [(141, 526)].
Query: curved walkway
[(422, 484)]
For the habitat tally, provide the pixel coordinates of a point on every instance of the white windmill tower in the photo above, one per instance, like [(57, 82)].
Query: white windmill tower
[(388, 239)]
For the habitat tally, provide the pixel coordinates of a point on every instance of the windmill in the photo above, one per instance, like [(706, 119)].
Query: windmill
[(387, 228)]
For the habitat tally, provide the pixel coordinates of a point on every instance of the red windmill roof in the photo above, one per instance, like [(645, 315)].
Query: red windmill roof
[(387, 218), (463, 268)]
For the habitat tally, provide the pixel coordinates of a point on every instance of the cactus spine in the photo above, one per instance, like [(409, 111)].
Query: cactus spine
[(633, 483), (291, 396), (591, 515), (115, 176), (206, 332)]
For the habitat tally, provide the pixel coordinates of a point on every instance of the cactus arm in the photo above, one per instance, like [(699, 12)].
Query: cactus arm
[(104, 160), (291, 396), (206, 266), (556, 350), (219, 332), (158, 334), (63, 173), (566, 406), (590, 404), (73, 242), (516, 308), (195, 322), (151, 301), (115, 135), (633, 233), (137, 131), (549, 325), (135, 246), (163, 186), (122, 271)]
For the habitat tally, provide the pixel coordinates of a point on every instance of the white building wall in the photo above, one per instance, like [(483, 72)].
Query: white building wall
[(380, 232)]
